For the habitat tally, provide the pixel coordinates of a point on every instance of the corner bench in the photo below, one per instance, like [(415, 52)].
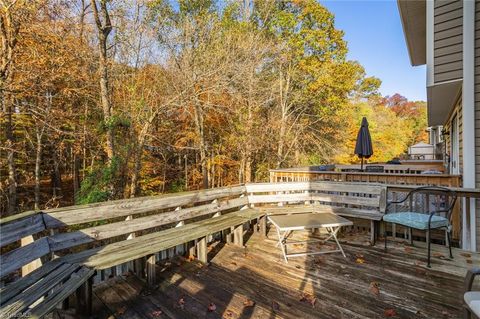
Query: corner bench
[(160, 223), (56, 280), (75, 242), (356, 200)]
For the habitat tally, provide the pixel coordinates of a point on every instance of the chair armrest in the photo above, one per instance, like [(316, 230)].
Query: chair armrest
[(471, 273)]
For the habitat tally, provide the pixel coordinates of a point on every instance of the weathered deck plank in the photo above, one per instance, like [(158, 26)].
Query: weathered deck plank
[(255, 283)]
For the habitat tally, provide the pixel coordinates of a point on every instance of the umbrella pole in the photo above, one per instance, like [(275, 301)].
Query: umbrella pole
[(361, 167)]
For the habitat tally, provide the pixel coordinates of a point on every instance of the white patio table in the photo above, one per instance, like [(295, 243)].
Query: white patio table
[(287, 224)]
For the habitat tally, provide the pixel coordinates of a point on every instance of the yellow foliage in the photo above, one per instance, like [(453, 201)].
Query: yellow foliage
[(390, 133)]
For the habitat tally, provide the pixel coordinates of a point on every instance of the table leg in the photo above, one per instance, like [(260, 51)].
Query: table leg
[(333, 233), (281, 243)]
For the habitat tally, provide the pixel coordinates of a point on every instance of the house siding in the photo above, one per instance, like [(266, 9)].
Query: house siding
[(448, 146), (448, 33), (477, 114)]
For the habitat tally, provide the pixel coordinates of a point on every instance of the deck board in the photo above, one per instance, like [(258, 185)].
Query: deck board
[(341, 287)]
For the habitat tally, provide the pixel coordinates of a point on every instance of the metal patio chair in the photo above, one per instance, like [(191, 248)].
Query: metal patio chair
[(471, 298), (439, 218)]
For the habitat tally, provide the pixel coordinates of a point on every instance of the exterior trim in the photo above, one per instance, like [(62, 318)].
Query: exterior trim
[(468, 109), (430, 54)]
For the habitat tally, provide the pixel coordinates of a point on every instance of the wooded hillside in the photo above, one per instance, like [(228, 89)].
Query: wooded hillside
[(111, 99)]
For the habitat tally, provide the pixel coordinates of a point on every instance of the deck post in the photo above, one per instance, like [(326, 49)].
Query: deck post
[(139, 267), (373, 232), (230, 235), (150, 270), (263, 225), (191, 248), (238, 236), (84, 297), (202, 250), (225, 235)]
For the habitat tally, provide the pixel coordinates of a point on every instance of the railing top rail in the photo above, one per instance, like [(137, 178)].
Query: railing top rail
[(131, 206), (306, 171), (461, 192)]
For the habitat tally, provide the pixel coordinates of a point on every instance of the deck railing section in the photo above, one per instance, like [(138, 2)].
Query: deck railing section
[(72, 229), (58, 231)]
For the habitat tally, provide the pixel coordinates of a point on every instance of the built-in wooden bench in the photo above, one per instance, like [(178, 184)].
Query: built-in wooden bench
[(356, 200), (58, 278), (79, 242), (110, 234)]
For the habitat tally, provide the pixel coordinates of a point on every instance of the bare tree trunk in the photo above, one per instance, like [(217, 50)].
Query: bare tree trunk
[(284, 87), (76, 176), (202, 144), (104, 29), (9, 30), (186, 171), (137, 166), (248, 142), (10, 146), (38, 162)]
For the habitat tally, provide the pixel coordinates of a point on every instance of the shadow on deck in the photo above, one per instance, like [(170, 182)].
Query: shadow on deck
[(254, 282)]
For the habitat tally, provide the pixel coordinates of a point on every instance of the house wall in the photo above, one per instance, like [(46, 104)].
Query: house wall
[(448, 125), (477, 113), (448, 24)]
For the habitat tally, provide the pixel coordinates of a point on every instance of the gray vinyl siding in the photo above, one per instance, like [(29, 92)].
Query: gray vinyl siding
[(448, 33), (457, 111), (477, 114)]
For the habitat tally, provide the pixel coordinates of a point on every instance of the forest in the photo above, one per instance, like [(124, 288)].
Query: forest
[(110, 99)]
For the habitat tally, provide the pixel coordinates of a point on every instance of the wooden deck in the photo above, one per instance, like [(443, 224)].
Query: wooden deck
[(255, 283)]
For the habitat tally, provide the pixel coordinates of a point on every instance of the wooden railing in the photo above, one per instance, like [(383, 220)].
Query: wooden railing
[(70, 227), (101, 240), (288, 175)]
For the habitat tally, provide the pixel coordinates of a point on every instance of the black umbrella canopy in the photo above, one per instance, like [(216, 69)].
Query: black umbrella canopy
[(363, 147)]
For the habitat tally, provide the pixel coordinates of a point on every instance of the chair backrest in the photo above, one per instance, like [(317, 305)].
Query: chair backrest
[(448, 201), (375, 169)]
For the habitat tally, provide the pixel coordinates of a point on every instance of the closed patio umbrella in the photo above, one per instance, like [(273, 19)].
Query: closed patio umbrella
[(363, 147)]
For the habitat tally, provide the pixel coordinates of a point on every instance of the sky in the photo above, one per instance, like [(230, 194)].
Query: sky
[(375, 38)]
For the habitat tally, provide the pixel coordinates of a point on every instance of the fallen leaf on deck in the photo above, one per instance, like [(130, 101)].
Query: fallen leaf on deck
[(121, 310), (469, 261), (407, 249), (360, 260), (212, 307), (228, 314), (181, 302), (420, 271), (191, 258), (298, 267), (275, 306), (233, 263), (156, 313), (319, 260), (308, 298), (374, 288), (390, 313), (466, 255), (438, 255), (249, 303)]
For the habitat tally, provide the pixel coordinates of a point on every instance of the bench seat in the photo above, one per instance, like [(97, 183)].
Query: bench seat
[(55, 281), (124, 251)]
